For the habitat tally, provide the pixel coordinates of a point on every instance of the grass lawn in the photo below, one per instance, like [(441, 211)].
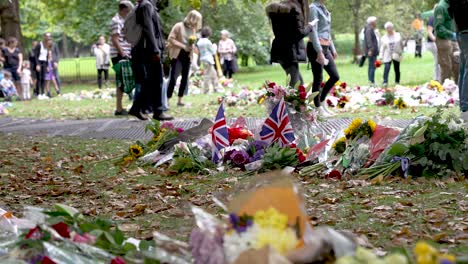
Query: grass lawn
[(43, 171), (414, 72)]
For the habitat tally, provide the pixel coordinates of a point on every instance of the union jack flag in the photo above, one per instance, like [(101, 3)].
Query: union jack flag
[(219, 134), (277, 127)]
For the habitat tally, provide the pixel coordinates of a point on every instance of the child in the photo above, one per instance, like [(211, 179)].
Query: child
[(207, 52), (26, 81), (50, 75), (7, 86)]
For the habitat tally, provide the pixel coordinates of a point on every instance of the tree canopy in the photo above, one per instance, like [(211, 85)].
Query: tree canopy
[(84, 21)]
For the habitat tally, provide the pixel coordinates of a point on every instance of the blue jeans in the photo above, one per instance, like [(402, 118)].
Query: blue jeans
[(396, 67), (463, 79), (371, 71)]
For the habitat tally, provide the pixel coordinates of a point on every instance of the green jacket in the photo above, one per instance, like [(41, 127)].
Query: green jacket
[(443, 24)]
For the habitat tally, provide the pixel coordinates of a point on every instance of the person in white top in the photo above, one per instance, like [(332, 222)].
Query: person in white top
[(227, 50), (102, 52), (26, 81), (207, 53), (391, 51)]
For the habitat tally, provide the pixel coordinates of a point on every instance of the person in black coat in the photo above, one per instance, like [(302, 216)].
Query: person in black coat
[(289, 23), (146, 62)]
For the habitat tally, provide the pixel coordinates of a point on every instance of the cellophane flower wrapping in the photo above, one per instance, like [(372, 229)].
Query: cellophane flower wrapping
[(269, 212)]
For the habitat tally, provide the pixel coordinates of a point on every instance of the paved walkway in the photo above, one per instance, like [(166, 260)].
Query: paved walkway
[(123, 128)]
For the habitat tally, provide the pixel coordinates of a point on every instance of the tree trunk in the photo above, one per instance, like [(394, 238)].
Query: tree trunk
[(356, 7), (10, 20), (65, 51)]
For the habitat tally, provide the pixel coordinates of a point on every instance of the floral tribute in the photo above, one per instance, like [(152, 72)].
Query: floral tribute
[(161, 134)]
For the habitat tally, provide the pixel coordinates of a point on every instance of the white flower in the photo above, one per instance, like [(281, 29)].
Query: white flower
[(182, 146), (235, 243)]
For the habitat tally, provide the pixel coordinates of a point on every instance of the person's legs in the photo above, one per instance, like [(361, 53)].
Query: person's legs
[(172, 78), (386, 72), (106, 77), (431, 46), (444, 51), (206, 77), (43, 73), (330, 68), (463, 80), (57, 79), (156, 78), (99, 78), (184, 58), (317, 72), (455, 60), (292, 70), (396, 68), (228, 69), (371, 70)]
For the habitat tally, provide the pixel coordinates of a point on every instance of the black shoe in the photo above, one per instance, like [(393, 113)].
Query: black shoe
[(49, 94), (58, 92), (163, 117), (138, 115), (121, 113)]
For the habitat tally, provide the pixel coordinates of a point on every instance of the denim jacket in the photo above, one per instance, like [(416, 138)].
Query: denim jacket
[(322, 28)]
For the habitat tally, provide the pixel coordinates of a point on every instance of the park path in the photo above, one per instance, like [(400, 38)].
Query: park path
[(131, 129)]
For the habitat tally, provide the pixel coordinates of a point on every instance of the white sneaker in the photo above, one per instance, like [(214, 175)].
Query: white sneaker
[(464, 116), (322, 112)]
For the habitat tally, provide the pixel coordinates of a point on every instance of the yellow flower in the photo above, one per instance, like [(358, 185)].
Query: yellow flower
[(261, 99), (396, 102), (372, 125), (271, 219), (403, 105), (356, 123), (338, 83), (156, 138), (136, 151), (128, 159), (282, 241)]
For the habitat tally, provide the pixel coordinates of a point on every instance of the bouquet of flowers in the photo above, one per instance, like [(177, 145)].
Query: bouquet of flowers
[(190, 158), (192, 40), (64, 235), (266, 224), (161, 134), (378, 63), (434, 146)]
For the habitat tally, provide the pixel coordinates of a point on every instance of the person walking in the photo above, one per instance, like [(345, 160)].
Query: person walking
[(102, 52), (32, 67), (207, 53), (458, 10), (227, 52), (146, 63), (371, 47), (432, 47), (181, 43), (13, 62), (446, 42), (120, 50), (322, 55), (289, 23), (391, 52), (41, 53), (417, 26)]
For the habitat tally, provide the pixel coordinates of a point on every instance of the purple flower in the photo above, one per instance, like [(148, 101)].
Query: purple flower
[(227, 155), (179, 130), (239, 157), (255, 146), (240, 224), (257, 156), (446, 261), (168, 125)]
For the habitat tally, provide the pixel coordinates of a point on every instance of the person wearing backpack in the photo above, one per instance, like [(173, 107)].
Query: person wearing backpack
[(120, 49), (146, 58)]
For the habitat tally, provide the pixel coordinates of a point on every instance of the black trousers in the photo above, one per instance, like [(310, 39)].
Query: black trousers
[(184, 60), (292, 70), (317, 72), (149, 75), (396, 68), (106, 76), (228, 69), (40, 85)]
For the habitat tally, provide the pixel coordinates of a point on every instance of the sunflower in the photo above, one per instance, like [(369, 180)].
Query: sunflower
[(340, 145), (157, 137), (355, 124), (128, 159), (136, 151), (372, 124)]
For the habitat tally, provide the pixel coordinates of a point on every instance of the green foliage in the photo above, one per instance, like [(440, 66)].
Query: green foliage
[(189, 158), (277, 157), (245, 20)]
